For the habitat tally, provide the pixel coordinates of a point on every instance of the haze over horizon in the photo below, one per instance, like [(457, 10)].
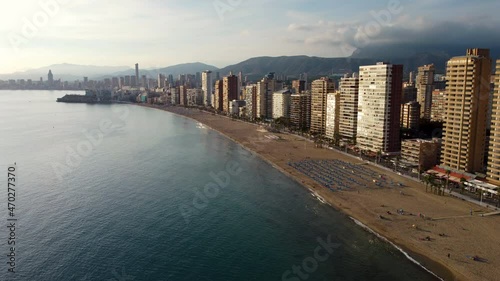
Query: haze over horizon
[(221, 32)]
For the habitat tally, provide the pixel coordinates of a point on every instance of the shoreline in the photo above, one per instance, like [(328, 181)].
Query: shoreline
[(424, 259)]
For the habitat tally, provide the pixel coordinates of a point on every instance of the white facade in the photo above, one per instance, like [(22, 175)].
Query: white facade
[(236, 106), (281, 104), (374, 108), (207, 87), (332, 115), (174, 94), (348, 117)]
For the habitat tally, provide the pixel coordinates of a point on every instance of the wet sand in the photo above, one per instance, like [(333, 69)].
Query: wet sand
[(464, 235)]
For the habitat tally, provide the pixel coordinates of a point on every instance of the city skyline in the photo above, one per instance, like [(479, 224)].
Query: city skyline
[(76, 32)]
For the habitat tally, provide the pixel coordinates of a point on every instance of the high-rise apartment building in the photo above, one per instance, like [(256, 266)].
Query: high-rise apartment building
[(50, 78), (251, 101), (230, 91), (128, 81), (494, 151), (115, 82), (300, 111), (410, 115), (425, 86), (183, 96), (438, 105), (379, 108), (265, 89), (319, 91), (298, 86), (207, 86), (281, 104), (332, 115), (218, 95), (161, 80), (409, 93), (137, 74), (348, 115), (467, 95)]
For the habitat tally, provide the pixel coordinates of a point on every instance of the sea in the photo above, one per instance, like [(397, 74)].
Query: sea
[(122, 192)]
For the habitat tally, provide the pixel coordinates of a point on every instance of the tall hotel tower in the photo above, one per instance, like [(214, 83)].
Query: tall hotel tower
[(494, 152), (379, 108), (207, 86), (467, 97)]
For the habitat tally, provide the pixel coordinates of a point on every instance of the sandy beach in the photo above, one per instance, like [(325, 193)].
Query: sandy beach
[(448, 226)]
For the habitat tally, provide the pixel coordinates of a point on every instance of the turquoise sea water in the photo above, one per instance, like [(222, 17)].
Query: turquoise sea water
[(121, 192)]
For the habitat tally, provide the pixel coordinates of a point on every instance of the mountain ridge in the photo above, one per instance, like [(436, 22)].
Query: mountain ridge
[(256, 67)]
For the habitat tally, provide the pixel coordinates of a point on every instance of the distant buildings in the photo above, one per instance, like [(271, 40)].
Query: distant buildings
[(438, 105), (298, 86), (50, 79), (348, 115), (409, 93), (137, 74), (319, 91), (494, 149), (467, 94), (379, 108), (236, 107), (410, 115), (194, 97), (161, 80), (128, 81), (425, 86)]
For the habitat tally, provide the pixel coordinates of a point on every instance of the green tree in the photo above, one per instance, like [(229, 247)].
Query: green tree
[(448, 172), (462, 185)]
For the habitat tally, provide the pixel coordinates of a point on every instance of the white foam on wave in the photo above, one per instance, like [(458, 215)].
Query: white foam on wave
[(320, 199), (395, 246)]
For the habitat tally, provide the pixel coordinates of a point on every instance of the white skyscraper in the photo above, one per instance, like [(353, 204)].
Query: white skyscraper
[(379, 108), (332, 115), (207, 86)]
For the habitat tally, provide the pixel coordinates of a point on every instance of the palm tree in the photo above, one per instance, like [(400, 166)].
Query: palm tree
[(462, 185), (448, 172), (426, 180), (432, 182)]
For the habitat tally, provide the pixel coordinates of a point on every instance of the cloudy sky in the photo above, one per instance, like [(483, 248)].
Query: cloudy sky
[(158, 33)]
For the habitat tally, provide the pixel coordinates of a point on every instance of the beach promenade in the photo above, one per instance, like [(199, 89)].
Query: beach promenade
[(441, 232)]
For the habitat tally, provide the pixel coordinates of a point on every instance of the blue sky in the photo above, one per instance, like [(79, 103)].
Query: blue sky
[(158, 33)]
